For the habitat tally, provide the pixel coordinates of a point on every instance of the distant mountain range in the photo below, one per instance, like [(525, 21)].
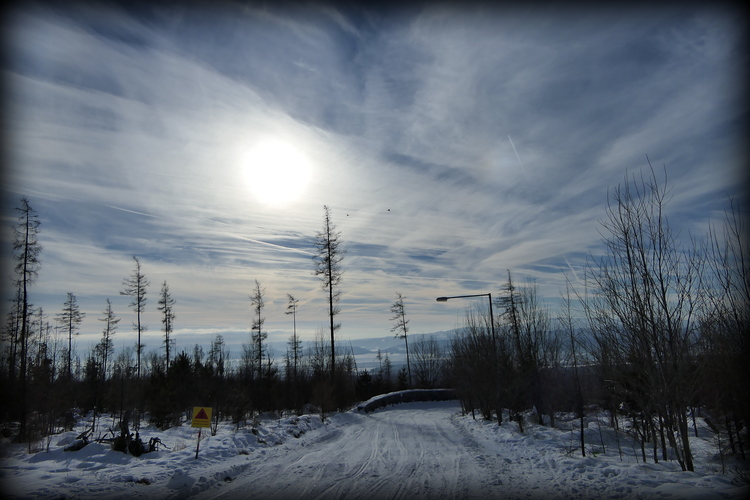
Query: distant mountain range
[(365, 350)]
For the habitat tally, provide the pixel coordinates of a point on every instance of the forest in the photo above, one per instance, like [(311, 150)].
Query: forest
[(656, 336)]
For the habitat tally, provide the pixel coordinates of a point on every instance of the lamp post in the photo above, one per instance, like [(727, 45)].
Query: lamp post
[(495, 375), (488, 295)]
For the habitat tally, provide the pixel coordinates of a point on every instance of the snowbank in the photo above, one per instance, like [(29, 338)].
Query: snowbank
[(97, 471), (409, 396), (549, 460)]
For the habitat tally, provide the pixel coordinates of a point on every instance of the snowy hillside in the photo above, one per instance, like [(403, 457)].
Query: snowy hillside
[(411, 450)]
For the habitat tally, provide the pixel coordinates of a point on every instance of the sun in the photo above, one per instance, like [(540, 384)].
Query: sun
[(276, 172)]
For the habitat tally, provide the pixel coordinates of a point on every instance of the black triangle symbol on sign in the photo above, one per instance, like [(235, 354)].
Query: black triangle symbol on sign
[(201, 415)]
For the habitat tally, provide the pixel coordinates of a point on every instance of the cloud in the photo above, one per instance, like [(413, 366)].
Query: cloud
[(130, 126)]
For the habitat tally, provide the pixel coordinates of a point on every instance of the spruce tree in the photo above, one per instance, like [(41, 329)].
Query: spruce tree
[(328, 266)]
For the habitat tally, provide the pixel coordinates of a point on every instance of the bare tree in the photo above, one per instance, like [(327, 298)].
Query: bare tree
[(328, 266), (400, 327), (647, 287), (135, 288), (322, 388), (473, 365), (319, 354), (567, 323), (70, 319), (725, 321), (428, 362), (166, 306), (542, 346), (247, 368)]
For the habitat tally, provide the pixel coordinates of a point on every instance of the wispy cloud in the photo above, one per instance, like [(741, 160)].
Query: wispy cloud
[(129, 129)]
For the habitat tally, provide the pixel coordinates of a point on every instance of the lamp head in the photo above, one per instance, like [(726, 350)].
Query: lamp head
[(442, 299)]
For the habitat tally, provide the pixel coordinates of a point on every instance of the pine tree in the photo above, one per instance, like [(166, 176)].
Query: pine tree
[(328, 266), (70, 319), (26, 251), (135, 287), (166, 304), (258, 335), (399, 316), (106, 344), (295, 344)]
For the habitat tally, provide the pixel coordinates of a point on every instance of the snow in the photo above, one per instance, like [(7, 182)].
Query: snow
[(408, 450)]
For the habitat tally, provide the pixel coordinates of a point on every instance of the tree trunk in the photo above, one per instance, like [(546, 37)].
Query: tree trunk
[(729, 433), (583, 439), (738, 427), (685, 436), (663, 441)]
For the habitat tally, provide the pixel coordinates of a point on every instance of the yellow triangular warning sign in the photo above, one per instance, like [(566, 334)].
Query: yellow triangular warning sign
[(202, 416)]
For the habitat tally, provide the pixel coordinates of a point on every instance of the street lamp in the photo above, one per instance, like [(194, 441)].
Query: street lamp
[(488, 295), (495, 376)]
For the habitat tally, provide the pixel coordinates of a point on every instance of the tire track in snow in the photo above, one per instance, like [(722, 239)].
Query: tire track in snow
[(412, 450), (341, 483), (404, 457), (456, 463)]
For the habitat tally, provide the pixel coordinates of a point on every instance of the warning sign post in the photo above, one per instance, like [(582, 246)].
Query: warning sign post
[(201, 419)]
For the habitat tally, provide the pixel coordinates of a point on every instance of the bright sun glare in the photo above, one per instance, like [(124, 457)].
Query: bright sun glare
[(276, 172)]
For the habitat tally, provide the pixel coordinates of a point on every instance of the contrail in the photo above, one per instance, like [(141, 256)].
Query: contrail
[(571, 269), (274, 245), (514, 150), (131, 211)]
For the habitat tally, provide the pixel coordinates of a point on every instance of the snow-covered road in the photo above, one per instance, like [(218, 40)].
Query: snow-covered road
[(428, 450), (408, 451)]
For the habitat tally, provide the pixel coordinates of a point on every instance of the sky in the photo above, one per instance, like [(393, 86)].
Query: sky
[(450, 143)]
